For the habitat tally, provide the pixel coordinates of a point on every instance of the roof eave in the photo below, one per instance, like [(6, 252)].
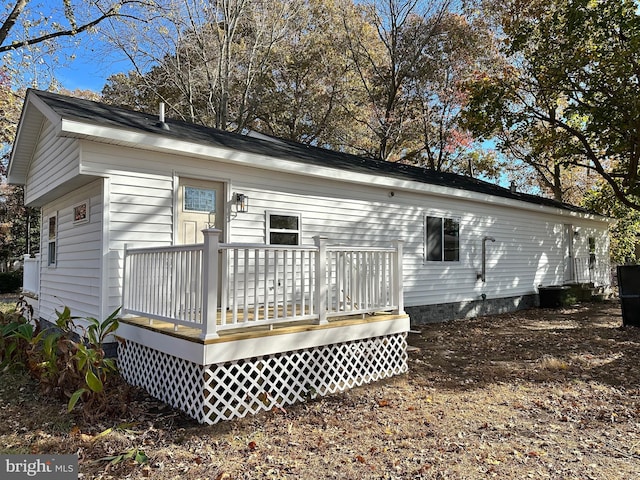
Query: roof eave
[(150, 141), (32, 117)]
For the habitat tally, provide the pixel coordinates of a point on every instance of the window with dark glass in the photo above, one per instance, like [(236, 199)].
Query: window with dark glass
[(53, 232), (442, 242), (283, 229)]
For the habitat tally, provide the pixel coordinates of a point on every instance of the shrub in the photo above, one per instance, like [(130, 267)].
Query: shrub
[(10, 282), (67, 365), (15, 336)]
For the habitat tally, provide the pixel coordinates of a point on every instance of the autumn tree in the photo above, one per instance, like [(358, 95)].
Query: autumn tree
[(624, 233), (333, 73), (36, 27), (386, 61), (411, 71), (437, 138), (305, 93), (569, 95), (200, 57), (32, 35), (18, 224), (538, 162)]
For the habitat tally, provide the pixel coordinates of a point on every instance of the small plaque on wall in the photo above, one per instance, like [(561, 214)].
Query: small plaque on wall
[(81, 212)]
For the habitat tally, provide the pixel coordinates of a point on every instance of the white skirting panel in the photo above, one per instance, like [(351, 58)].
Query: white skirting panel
[(210, 393)]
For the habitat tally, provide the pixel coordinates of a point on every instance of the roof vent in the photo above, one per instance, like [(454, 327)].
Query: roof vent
[(512, 187), (161, 122)]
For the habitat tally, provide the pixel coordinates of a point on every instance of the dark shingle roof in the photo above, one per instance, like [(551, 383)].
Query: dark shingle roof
[(109, 115)]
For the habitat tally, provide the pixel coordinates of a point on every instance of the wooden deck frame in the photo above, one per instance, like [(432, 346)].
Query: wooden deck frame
[(187, 343)]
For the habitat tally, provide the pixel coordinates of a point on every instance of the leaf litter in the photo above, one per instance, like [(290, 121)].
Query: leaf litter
[(537, 394)]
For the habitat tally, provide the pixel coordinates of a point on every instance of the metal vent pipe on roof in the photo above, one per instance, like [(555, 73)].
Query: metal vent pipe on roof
[(161, 123)]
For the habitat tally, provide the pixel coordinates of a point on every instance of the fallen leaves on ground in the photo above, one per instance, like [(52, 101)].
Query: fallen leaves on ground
[(534, 394)]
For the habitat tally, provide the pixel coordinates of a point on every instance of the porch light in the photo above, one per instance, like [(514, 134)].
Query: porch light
[(242, 203)]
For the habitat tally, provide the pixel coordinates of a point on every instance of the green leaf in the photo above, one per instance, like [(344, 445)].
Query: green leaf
[(64, 320), (113, 459), (82, 361), (75, 397), (49, 343), (141, 457), (93, 382), (24, 331), (109, 365), (104, 433)]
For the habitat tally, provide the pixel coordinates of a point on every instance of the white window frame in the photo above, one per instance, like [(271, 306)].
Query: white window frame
[(52, 240), (81, 213), (443, 218), (269, 230)]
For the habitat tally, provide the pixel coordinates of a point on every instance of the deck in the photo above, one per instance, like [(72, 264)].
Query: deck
[(259, 285), (299, 321), (260, 331)]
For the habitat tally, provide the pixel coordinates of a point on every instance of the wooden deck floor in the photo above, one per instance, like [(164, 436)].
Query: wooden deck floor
[(255, 331)]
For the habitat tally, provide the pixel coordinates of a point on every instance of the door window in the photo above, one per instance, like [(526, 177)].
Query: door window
[(200, 205), (199, 199)]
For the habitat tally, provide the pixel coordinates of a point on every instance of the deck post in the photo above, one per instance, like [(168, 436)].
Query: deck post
[(31, 273), (398, 286), (210, 286), (126, 284), (321, 279)]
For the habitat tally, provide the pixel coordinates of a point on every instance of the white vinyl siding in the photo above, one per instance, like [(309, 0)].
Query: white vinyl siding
[(527, 252), (140, 204), (75, 282), (141, 213), (63, 153)]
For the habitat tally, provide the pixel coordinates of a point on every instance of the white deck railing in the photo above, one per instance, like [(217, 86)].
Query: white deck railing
[(164, 283), (31, 274), (253, 285), (588, 270)]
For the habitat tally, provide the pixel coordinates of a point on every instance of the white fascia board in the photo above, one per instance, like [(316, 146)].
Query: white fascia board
[(47, 111), (156, 142), (31, 120)]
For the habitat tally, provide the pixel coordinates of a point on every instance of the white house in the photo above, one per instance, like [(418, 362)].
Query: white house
[(317, 259)]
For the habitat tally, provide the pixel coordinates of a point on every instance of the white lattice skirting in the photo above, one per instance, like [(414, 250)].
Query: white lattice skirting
[(211, 393)]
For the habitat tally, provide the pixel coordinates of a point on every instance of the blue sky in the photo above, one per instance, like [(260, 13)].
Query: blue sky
[(94, 60), (87, 72), (92, 64)]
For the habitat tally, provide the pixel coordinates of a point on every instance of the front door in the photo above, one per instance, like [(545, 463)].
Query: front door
[(200, 206)]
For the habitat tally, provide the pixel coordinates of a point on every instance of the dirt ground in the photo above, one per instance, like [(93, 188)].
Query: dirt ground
[(535, 394)]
